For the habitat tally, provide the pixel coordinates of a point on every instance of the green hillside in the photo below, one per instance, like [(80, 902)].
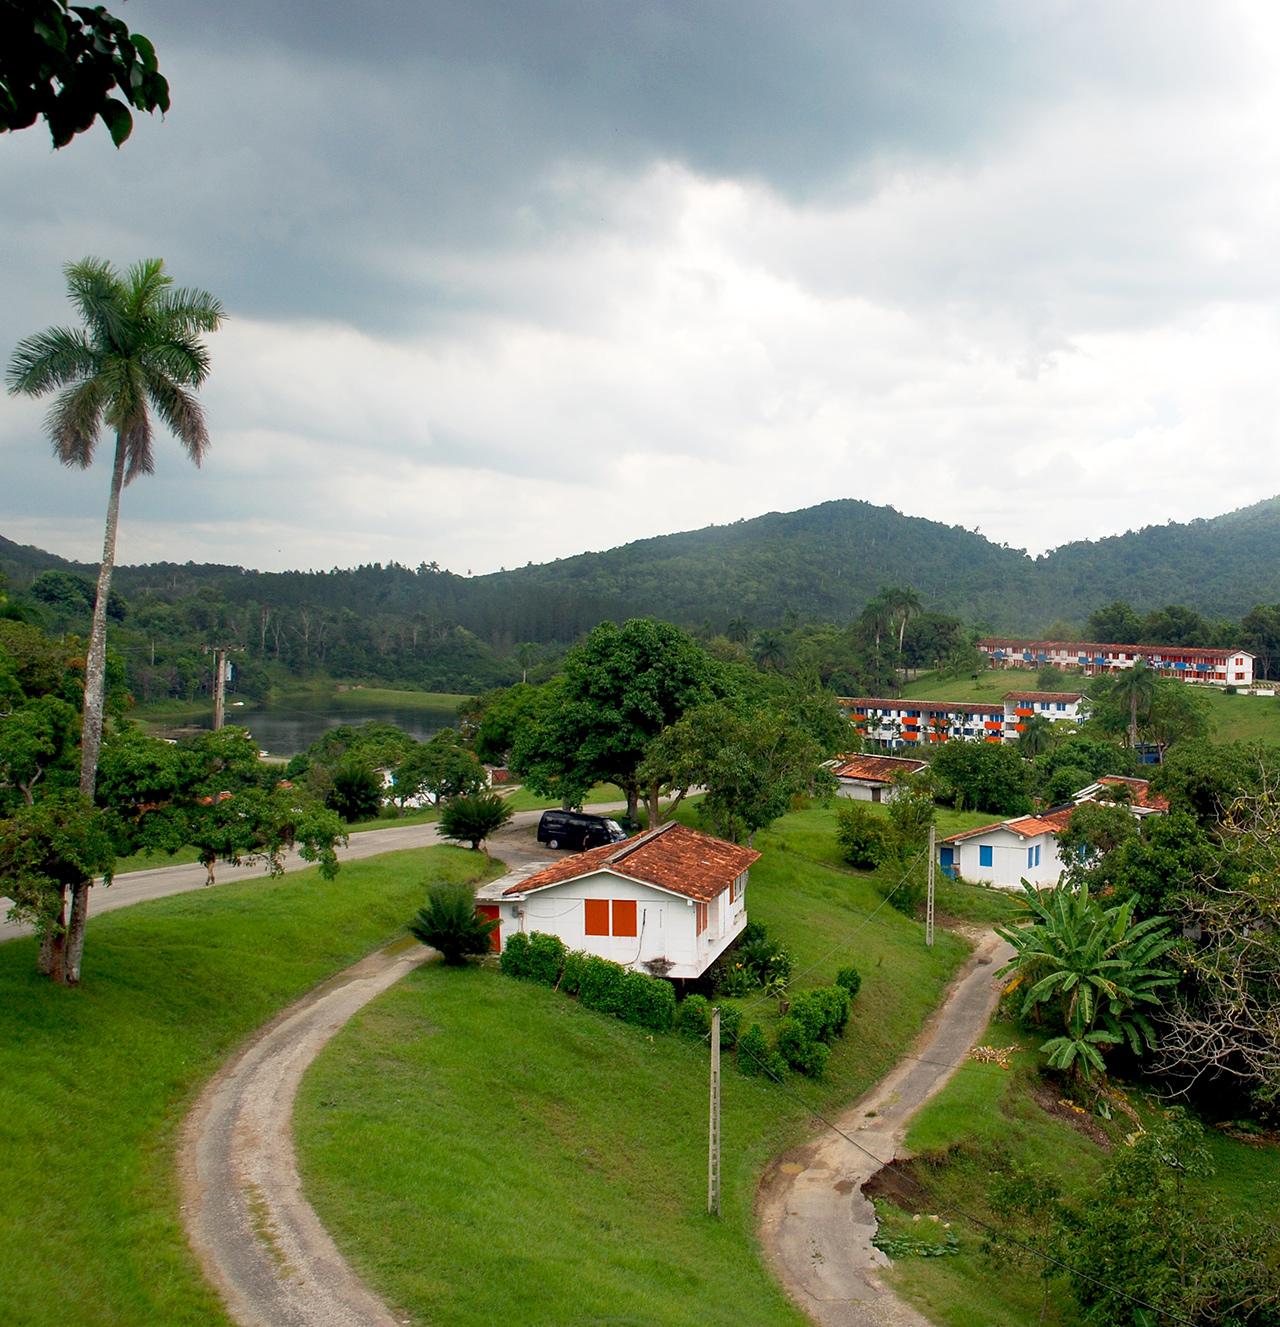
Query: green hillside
[(824, 562)]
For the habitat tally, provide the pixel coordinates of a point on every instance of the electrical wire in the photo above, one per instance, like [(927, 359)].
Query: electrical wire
[(960, 1211), (843, 943)]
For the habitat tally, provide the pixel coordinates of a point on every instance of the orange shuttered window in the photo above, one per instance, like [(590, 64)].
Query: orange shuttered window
[(624, 916), (701, 910), (597, 916)]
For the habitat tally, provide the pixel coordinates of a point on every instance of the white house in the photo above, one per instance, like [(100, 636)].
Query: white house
[(1008, 852), (1142, 801), (873, 778), (669, 900)]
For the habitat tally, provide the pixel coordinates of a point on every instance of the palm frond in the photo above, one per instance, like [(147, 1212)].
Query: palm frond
[(191, 309), (146, 283), (49, 359), (182, 414), (97, 292), (182, 357), (75, 421)]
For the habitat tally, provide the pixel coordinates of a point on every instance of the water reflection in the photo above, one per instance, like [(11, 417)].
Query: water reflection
[(284, 730)]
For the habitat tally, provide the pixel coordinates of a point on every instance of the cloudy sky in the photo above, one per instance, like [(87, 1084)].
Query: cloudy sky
[(512, 280)]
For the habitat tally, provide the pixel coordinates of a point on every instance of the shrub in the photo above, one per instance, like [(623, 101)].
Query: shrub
[(734, 980), (823, 1012), (851, 979), (866, 840), (546, 958), (473, 818), (600, 986), (693, 1015), (451, 924), (753, 1051), (752, 932), (356, 793), (575, 965), (514, 961), (730, 1022), (801, 1050), (649, 1002)]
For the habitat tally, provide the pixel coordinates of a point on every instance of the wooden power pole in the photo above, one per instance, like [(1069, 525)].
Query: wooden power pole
[(713, 1137), (928, 913), (221, 667)]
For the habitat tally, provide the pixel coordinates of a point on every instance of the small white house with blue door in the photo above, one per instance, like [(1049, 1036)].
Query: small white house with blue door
[(1008, 852)]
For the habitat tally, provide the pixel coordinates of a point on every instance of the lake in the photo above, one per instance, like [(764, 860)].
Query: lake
[(285, 730)]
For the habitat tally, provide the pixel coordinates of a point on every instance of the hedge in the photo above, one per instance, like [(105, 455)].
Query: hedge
[(823, 1012)]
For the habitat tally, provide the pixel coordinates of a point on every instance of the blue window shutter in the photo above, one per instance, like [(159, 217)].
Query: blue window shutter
[(984, 855)]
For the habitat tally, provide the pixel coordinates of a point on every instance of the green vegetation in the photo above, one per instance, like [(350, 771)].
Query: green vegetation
[(521, 1088), (998, 1119), (90, 1201), (603, 794)]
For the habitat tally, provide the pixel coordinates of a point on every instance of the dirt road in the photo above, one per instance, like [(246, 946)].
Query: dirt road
[(815, 1223)]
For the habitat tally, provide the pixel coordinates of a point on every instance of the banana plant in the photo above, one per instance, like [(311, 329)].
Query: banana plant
[(1097, 966)]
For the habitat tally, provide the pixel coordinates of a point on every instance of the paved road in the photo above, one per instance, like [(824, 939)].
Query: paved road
[(815, 1223), (161, 881)]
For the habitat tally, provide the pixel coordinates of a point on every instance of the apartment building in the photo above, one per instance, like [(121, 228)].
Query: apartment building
[(906, 724), (1216, 667)]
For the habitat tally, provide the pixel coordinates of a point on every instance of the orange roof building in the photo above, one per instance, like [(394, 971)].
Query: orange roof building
[(669, 901)]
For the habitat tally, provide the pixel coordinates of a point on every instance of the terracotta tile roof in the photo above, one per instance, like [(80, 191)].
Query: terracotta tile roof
[(881, 768), (1142, 794), (671, 857), (1026, 827), (926, 706), (1044, 695), (1092, 648)]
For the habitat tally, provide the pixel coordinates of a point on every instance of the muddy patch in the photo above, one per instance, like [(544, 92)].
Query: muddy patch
[(905, 1186), (1080, 1120)]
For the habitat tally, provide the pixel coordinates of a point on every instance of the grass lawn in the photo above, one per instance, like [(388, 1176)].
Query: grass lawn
[(987, 1111), (1235, 718), (486, 1150), (94, 1082), (355, 698), (521, 799)]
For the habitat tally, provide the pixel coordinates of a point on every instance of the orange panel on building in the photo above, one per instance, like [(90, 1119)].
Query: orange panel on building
[(624, 916), (596, 915), (490, 910)]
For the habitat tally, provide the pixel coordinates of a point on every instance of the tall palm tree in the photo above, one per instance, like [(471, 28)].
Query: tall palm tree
[(906, 603), (1136, 688), (877, 618), (771, 650), (138, 350)]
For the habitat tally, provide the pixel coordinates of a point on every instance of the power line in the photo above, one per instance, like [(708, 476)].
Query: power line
[(843, 943), (968, 1216)]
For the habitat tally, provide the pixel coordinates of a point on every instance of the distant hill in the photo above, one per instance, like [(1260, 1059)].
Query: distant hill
[(824, 561)]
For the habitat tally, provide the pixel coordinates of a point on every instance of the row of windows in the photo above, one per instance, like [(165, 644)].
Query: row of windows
[(986, 856)]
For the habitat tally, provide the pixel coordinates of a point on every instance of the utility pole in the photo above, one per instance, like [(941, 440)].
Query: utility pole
[(928, 914), (221, 667), (713, 1138)]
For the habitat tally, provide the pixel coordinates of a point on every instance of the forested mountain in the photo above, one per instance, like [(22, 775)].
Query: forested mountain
[(430, 627)]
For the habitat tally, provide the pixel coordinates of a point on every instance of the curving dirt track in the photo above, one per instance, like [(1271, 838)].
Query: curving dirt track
[(815, 1224)]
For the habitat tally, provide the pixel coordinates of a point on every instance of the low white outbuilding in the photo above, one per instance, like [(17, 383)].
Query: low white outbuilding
[(873, 778), (669, 901)]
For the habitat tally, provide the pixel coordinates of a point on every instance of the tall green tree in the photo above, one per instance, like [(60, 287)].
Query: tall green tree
[(138, 350), (619, 690)]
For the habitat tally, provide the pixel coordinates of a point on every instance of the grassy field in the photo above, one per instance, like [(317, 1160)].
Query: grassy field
[(987, 1112), (94, 1082), (359, 697), (1235, 718), (521, 799), (487, 1151)]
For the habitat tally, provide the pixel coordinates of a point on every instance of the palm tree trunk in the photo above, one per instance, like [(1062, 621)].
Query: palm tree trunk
[(65, 965), (95, 665), (1133, 719)]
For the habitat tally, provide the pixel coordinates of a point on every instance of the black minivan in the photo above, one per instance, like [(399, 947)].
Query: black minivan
[(573, 829)]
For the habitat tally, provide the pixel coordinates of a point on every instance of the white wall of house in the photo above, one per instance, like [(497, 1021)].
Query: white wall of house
[(666, 923), (1012, 859), (867, 790)]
